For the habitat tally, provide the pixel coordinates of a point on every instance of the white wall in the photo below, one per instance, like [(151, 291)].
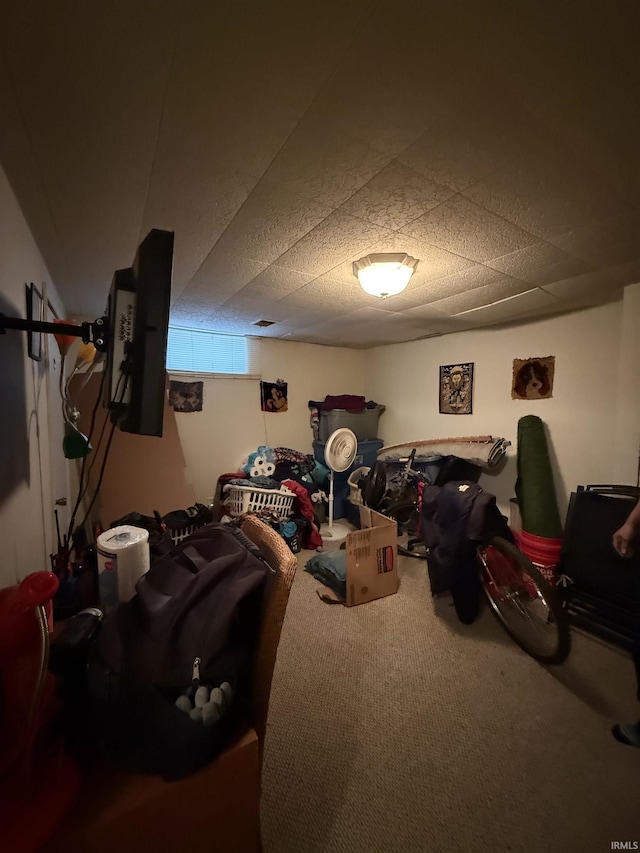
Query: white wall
[(594, 410), (25, 498), (231, 425), (580, 418)]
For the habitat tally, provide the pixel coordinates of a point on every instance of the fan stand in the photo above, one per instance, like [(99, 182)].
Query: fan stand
[(334, 531), (340, 452)]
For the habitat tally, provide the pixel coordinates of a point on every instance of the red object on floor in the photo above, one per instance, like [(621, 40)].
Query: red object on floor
[(37, 782), (543, 552)]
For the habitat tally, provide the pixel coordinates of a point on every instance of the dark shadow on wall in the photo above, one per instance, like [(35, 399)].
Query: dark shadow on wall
[(14, 442)]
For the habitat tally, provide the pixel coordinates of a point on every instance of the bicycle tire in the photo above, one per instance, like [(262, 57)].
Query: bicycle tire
[(407, 517), (524, 602)]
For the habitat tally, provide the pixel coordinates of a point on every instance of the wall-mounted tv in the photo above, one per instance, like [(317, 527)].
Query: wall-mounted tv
[(138, 323)]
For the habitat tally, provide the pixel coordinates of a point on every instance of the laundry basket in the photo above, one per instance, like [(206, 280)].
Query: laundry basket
[(355, 494), (242, 499)]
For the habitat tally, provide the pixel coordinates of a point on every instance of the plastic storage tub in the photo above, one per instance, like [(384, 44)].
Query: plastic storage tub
[(364, 424)]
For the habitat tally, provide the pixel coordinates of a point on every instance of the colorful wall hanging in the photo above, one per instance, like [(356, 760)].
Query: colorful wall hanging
[(185, 396), (456, 389), (273, 396), (533, 378)]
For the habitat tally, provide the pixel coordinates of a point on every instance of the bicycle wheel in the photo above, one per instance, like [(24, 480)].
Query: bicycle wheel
[(407, 516), (527, 606)]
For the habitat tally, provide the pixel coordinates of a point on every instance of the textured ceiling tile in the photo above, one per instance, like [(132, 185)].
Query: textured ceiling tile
[(514, 306), (540, 264), (624, 274), (271, 220), (469, 230), (199, 313), (304, 319), (593, 288), (241, 97), (222, 275), (610, 242), (257, 309), (468, 144), (466, 280), (275, 283), (547, 192), (388, 87), (395, 196), (335, 239), (197, 218), (326, 291), (480, 296), (322, 160), (243, 126), (433, 321)]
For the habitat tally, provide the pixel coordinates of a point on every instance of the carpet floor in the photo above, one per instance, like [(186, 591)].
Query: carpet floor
[(393, 727)]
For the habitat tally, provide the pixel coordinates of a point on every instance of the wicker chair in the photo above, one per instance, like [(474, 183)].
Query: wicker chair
[(284, 563)]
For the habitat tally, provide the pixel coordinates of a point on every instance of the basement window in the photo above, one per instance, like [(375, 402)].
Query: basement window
[(195, 351)]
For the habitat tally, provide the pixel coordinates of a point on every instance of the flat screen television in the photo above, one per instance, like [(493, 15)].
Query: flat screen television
[(138, 324)]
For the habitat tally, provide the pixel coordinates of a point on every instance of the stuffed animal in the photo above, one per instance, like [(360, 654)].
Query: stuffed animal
[(260, 463)]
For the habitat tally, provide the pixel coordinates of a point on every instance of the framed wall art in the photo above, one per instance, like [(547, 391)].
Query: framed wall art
[(35, 311), (273, 396), (533, 378), (456, 389)]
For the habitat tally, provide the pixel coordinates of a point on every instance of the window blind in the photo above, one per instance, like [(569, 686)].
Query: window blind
[(198, 351)]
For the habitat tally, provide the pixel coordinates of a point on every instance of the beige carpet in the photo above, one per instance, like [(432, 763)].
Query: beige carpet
[(392, 727)]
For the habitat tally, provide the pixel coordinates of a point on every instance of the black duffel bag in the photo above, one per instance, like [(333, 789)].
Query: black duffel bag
[(196, 613)]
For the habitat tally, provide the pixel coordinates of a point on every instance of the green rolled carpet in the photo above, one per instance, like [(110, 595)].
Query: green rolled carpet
[(534, 486)]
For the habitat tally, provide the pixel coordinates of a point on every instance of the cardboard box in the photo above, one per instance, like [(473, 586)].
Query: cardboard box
[(372, 558)]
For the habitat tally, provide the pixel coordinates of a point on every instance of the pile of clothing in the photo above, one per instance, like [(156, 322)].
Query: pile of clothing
[(300, 473)]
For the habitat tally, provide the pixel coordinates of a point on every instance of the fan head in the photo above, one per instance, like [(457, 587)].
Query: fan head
[(341, 449)]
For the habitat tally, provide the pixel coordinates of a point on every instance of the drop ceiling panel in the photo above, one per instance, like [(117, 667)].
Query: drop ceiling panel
[(282, 142), (540, 264), (612, 241), (275, 283), (469, 230), (482, 296), (327, 291), (220, 276), (548, 191), (469, 143), (512, 307), (395, 197), (589, 289), (466, 281), (330, 243)]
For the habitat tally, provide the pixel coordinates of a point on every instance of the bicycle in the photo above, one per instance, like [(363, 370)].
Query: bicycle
[(527, 606)]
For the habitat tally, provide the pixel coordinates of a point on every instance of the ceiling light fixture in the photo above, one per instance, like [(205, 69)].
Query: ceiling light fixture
[(384, 274)]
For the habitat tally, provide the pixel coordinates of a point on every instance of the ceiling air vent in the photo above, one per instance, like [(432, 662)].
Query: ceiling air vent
[(263, 323)]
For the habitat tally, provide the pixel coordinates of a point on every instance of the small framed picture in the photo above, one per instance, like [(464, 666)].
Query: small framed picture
[(35, 311), (456, 389), (533, 378)]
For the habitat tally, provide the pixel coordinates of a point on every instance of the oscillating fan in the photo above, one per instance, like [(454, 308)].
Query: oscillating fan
[(339, 454)]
